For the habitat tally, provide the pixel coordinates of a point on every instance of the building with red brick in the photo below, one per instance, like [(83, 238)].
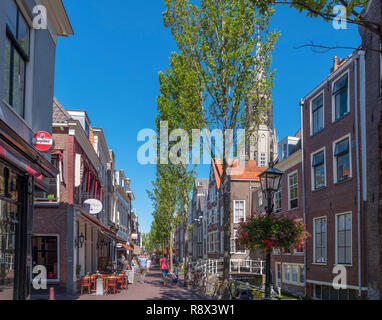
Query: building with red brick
[(67, 239), (288, 265), (333, 129), (372, 172)]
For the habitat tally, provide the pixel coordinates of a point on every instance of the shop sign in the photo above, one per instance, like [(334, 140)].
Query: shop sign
[(43, 141), (134, 236), (93, 206), (119, 245)]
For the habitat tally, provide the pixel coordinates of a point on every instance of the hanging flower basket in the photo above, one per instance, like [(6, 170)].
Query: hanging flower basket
[(270, 231)]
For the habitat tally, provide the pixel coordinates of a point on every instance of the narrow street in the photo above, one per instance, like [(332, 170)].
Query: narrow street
[(152, 289)]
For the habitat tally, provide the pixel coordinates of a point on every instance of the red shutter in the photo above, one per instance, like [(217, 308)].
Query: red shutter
[(95, 189), (88, 182)]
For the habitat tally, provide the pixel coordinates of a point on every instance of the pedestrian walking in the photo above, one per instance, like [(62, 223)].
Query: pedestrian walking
[(148, 263), (142, 260), (164, 267)]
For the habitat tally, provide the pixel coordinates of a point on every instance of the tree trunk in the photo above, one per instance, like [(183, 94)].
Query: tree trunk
[(227, 232), (186, 237), (171, 248)]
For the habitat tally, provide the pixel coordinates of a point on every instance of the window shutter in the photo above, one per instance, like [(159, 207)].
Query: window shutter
[(318, 159), (340, 84), (318, 102), (341, 148)]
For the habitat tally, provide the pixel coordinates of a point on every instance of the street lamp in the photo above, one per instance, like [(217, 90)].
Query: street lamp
[(270, 182)]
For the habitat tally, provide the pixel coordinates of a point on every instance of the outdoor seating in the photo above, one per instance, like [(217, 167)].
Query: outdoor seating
[(121, 281), (111, 283), (93, 281), (85, 283)]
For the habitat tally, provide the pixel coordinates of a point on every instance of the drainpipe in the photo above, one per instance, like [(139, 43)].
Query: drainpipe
[(358, 87), (302, 102), (358, 175)]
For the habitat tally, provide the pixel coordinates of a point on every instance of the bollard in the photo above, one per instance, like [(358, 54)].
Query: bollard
[(51, 293)]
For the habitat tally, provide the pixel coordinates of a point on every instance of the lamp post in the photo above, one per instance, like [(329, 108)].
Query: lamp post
[(270, 182)]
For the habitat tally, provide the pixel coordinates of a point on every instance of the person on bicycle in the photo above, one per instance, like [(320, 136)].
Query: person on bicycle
[(164, 267)]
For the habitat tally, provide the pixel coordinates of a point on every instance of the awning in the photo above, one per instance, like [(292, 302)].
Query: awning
[(96, 222), (127, 247)]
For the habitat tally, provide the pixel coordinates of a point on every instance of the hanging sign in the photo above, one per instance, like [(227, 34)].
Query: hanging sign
[(93, 206), (43, 141)]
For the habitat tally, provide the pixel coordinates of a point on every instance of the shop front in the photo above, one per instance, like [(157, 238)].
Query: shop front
[(21, 168)]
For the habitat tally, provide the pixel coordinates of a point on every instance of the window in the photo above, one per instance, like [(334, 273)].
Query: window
[(260, 198), (340, 97), (235, 245), (342, 160), (293, 273), (239, 211), (284, 151), (344, 238), (322, 292), (262, 159), (286, 272), (318, 114), (293, 191), (318, 167), (278, 200), (319, 240), (51, 194), (16, 57), (44, 252)]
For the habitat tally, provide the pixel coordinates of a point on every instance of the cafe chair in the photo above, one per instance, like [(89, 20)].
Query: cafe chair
[(93, 281), (85, 283), (121, 281), (111, 283)]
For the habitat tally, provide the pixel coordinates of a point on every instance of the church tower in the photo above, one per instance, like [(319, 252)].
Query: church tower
[(262, 145)]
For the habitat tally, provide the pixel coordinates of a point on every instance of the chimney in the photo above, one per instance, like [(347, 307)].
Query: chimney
[(335, 64)]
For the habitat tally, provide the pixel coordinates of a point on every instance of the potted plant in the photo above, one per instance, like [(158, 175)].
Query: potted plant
[(272, 231)]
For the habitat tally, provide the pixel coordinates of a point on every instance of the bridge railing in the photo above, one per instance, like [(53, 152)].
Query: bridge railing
[(211, 266)]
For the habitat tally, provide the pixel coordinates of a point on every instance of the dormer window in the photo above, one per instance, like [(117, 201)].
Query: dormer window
[(87, 129)]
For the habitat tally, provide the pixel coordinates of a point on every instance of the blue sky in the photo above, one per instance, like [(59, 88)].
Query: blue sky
[(110, 69)]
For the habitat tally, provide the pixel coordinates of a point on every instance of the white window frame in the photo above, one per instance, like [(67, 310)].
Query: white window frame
[(323, 111), (279, 191), (235, 220), (312, 168), (314, 241), (259, 198), (289, 198), (234, 236), (336, 238), (291, 265), (333, 98), (347, 136)]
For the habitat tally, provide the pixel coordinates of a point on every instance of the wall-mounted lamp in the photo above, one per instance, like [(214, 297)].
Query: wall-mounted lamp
[(82, 239)]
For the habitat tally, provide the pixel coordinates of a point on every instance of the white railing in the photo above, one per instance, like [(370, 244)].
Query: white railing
[(236, 266)]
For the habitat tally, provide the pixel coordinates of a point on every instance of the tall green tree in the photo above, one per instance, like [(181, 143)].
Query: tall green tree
[(229, 45), (179, 105)]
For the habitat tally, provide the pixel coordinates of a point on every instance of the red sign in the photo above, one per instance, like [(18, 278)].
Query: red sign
[(43, 141)]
